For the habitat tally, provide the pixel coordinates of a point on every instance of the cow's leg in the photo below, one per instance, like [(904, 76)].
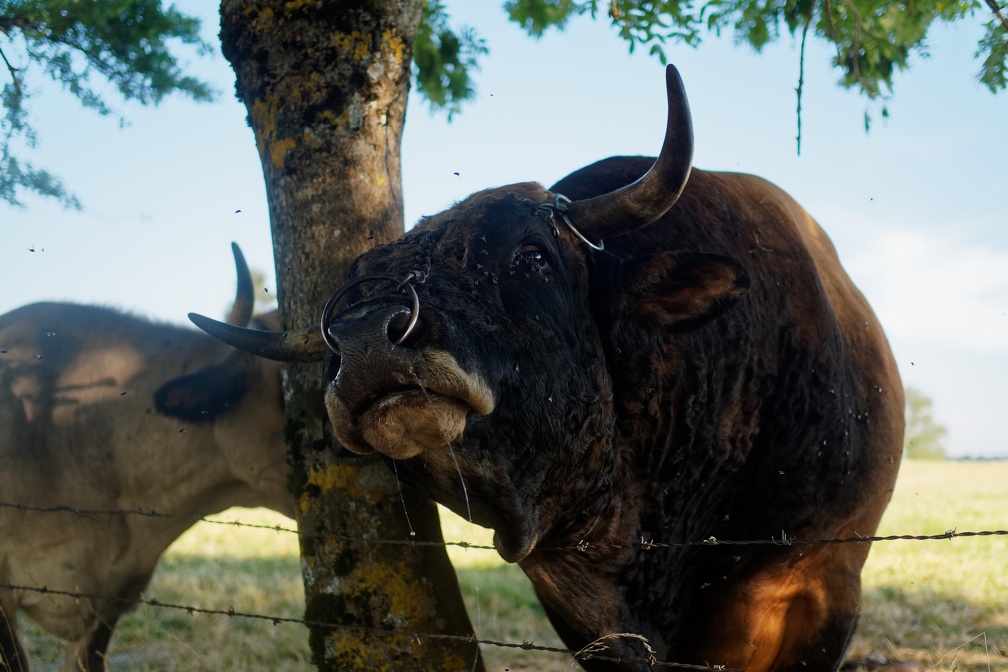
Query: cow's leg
[(13, 657), (88, 653)]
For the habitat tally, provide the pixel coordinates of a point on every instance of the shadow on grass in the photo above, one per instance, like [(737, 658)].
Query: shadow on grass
[(157, 638), (944, 630)]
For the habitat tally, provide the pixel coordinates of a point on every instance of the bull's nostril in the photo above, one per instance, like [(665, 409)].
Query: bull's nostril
[(404, 330)]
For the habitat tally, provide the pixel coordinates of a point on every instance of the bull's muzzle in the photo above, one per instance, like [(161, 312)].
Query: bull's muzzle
[(387, 389)]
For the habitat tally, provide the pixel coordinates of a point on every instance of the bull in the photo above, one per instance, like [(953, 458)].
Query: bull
[(103, 411), (617, 375)]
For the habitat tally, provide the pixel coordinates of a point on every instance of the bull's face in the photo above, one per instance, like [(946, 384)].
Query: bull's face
[(476, 353), (501, 382)]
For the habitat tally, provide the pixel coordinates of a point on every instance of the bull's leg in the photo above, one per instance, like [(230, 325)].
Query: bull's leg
[(13, 657), (797, 612)]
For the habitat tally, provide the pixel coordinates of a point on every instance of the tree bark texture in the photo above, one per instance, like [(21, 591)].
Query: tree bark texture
[(325, 85)]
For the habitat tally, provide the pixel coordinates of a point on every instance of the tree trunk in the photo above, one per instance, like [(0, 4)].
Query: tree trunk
[(325, 86)]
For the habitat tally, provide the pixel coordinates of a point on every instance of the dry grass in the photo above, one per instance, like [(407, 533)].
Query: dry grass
[(939, 602), (213, 567)]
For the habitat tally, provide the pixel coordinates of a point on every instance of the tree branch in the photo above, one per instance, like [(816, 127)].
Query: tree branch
[(13, 72), (997, 12), (801, 77)]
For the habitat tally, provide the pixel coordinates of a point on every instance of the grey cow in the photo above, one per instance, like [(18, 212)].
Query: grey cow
[(87, 420)]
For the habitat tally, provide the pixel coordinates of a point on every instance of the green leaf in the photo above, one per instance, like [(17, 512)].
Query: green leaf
[(993, 48), (537, 16), (443, 58)]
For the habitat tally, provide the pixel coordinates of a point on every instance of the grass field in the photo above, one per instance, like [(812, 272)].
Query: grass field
[(942, 603)]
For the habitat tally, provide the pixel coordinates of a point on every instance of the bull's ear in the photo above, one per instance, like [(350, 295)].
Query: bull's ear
[(681, 290)]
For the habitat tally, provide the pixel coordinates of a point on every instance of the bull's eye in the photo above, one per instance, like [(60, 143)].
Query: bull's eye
[(532, 255)]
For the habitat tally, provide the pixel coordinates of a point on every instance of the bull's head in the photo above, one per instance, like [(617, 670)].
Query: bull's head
[(478, 351)]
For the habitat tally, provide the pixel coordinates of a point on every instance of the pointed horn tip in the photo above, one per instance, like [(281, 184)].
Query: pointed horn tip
[(300, 346), (202, 322), (239, 257), (672, 78), (637, 205), (215, 328)]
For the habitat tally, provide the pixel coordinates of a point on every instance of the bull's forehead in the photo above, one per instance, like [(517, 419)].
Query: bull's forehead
[(489, 209), (493, 217)]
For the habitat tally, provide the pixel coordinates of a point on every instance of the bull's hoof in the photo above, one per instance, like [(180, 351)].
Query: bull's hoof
[(876, 662)]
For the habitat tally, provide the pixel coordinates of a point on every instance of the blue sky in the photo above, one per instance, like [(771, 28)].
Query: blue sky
[(916, 207)]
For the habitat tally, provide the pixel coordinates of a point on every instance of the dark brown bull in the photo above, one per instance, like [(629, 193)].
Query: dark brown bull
[(712, 374), (103, 410)]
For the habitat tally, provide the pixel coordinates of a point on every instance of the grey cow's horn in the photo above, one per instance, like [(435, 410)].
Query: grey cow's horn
[(241, 310), (639, 204), (295, 346)]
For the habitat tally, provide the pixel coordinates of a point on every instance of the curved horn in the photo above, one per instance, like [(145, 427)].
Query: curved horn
[(296, 346), (241, 311), (638, 204)]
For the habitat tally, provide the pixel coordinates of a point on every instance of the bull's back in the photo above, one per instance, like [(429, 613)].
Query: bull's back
[(796, 264), (799, 291)]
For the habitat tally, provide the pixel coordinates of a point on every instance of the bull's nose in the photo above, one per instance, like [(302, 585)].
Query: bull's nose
[(368, 362), (374, 350), (395, 325), (387, 317)]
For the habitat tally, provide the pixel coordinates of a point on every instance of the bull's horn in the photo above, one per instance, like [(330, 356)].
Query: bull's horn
[(296, 346), (639, 204), (241, 311)]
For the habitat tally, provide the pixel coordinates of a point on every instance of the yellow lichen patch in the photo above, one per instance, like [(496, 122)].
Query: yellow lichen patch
[(355, 652), (380, 179), (311, 139), (264, 124), (406, 600), (336, 476), (396, 46), (357, 42), (452, 659), (279, 149), (333, 119), (295, 5), (262, 20)]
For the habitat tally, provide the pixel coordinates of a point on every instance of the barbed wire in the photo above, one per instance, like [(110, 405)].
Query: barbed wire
[(581, 546), (588, 653)]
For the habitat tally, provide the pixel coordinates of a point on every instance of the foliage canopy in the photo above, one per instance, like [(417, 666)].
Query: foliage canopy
[(85, 46), (874, 39), (128, 44)]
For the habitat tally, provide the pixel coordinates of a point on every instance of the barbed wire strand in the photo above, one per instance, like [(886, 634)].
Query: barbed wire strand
[(585, 654), (582, 546)]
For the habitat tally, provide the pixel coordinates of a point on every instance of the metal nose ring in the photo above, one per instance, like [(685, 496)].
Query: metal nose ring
[(403, 284)]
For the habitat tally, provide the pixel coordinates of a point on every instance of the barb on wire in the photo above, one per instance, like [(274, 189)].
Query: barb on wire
[(231, 612)]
